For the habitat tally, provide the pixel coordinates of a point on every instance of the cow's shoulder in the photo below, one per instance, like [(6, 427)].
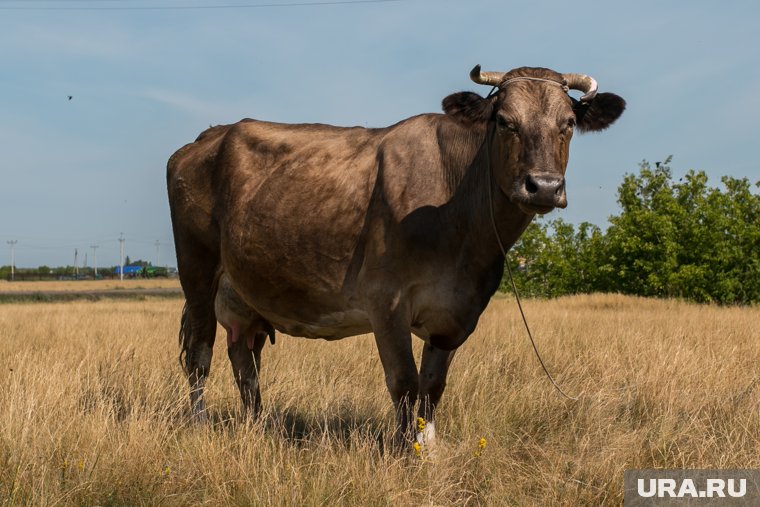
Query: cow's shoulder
[(421, 160)]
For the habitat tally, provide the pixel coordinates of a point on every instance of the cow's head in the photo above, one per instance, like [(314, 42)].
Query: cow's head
[(530, 120)]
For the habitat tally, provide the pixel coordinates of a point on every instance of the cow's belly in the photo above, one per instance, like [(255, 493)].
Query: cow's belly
[(328, 326), (446, 326)]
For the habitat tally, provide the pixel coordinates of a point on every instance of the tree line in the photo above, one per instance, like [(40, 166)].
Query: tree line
[(683, 239)]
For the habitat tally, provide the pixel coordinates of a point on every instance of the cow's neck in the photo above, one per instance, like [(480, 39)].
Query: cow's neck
[(471, 204)]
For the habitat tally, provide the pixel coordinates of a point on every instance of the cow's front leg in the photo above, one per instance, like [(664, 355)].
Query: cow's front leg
[(394, 344), (433, 370)]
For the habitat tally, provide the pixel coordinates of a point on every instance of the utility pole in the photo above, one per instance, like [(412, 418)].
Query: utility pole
[(158, 256), (76, 264), (121, 256), (12, 243), (95, 259)]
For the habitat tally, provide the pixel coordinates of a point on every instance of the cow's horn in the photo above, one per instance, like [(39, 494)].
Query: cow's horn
[(584, 83), (486, 78)]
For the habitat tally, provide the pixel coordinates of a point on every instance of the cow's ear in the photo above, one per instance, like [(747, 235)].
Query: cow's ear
[(600, 113), (468, 107)]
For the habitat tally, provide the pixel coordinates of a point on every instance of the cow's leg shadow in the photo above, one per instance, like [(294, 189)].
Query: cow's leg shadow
[(345, 427)]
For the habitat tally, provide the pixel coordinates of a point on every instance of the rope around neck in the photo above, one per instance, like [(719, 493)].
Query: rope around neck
[(526, 78), (564, 87), (514, 288)]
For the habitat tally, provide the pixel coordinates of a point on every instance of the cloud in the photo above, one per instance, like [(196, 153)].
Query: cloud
[(183, 102)]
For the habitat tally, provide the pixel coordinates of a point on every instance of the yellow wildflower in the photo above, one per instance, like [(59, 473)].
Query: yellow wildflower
[(481, 446), (417, 449), (420, 424)]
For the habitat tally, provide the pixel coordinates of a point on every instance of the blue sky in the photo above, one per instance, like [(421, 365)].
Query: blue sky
[(79, 172)]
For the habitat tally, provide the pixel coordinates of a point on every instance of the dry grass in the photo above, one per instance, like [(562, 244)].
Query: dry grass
[(88, 285), (95, 412)]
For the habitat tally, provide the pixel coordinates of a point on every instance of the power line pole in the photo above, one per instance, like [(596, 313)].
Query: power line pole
[(12, 243), (121, 256), (95, 259), (76, 263), (158, 255)]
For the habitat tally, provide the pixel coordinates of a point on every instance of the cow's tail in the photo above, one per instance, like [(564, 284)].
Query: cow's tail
[(185, 337)]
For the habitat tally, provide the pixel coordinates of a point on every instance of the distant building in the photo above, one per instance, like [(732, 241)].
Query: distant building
[(146, 271), (129, 270)]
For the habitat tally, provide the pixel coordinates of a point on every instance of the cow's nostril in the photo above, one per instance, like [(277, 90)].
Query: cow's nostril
[(530, 185), (560, 188)]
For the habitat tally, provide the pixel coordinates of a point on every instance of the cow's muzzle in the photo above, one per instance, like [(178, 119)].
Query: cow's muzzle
[(541, 193)]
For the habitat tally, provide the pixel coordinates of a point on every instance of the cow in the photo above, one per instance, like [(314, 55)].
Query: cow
[(327, 232)]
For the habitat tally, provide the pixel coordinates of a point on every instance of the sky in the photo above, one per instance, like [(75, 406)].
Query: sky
[(147, 76)]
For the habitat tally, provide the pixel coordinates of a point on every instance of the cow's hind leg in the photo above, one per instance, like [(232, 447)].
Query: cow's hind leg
[(244, 349), (433, 371), (197, 271), (247, 332), (197, 334)]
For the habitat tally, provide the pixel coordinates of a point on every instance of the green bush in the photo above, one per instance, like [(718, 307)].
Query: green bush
[(671, 239)]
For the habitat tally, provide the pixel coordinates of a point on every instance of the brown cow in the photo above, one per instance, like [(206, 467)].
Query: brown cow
[(327, 232)]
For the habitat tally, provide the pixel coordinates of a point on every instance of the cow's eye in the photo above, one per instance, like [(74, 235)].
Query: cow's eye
[(569, 124), (505, 125)]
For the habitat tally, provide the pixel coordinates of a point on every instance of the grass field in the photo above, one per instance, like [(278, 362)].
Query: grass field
[(94, 409), (89, 285)]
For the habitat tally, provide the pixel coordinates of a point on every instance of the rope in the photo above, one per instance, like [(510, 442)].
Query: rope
[(514, 288), (526, 78)]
